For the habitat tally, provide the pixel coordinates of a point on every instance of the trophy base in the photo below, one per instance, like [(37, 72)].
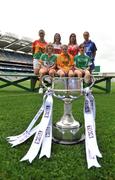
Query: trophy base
[(68, 136)]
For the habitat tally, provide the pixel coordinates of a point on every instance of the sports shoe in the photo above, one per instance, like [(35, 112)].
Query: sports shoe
[(40, 90)]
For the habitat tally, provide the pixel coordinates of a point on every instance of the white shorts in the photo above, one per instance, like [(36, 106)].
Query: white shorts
[(36, 64)]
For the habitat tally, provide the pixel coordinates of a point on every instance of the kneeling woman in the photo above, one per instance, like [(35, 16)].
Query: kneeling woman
[(83, 63), (65, 63), (48, 62)]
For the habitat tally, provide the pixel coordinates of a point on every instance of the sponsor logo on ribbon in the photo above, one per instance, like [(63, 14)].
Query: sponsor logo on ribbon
[(38, 137), (90, 131)]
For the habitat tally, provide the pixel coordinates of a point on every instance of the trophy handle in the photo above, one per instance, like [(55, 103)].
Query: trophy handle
[(47, 79), (92, 82)]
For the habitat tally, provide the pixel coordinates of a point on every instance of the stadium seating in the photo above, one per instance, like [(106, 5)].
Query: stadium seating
[(16, 61), (12, 61)]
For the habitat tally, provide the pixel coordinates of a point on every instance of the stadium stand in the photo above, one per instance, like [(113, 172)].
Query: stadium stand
[(16, 61), (16, 64)]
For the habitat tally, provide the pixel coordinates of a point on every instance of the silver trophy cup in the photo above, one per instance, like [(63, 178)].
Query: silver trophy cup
[(67, 130)]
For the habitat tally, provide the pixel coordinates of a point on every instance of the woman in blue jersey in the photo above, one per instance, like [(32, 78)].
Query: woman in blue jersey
[(90, 48)]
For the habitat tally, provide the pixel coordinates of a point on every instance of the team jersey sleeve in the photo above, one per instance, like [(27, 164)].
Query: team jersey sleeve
[(94, 47), (42, 57), (33, 48)]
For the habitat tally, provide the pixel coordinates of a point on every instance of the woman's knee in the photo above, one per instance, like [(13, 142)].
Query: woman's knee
[(52, 72), (70, 73), (78, 73), (43, 71), (60, 73), (36, 71), (87, 73)]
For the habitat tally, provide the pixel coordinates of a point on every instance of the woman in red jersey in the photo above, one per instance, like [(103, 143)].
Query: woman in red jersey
[(72, 46)]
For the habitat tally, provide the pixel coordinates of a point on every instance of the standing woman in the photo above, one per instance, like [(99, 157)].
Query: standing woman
[(73, 48), (57, 43), (38, 48), (90, 48)]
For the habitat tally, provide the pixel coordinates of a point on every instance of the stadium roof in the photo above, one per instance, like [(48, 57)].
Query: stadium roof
[(11, 42)]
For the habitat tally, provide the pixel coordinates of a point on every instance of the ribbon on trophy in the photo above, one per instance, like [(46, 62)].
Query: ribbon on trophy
[(42, 131), (92, 150)]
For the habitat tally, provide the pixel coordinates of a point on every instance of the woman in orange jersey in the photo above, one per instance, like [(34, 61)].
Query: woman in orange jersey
[(65, 64), (38, 48)]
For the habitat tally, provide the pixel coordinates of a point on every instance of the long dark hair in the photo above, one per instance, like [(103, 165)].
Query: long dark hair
[(72, 34), (55, 38)]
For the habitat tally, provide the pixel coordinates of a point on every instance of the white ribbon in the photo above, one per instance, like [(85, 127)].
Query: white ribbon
[(92, 150), (15, 140), (47, 141), (43, 132)]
